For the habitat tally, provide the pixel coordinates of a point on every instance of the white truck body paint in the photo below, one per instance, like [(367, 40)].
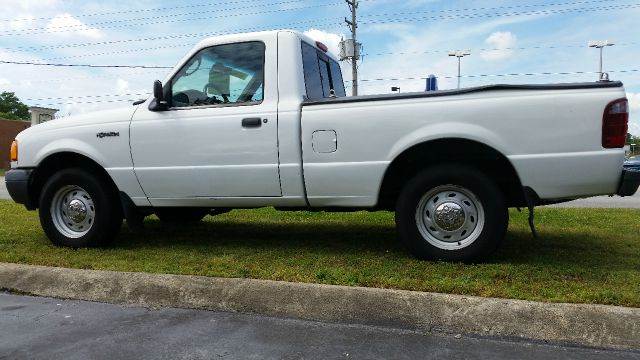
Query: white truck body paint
[(203, 157), (552, 138)]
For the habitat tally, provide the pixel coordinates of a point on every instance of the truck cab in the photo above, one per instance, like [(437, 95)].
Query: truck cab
[(229, 126)]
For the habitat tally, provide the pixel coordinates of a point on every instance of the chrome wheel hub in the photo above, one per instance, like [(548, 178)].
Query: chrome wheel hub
[(450, 217), (76, 210), (73, 211)]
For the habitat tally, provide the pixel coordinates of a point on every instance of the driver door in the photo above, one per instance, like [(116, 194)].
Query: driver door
[(219, 136)]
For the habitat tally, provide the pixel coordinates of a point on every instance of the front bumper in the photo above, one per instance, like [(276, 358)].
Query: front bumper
[(17, 181), (629, 182)]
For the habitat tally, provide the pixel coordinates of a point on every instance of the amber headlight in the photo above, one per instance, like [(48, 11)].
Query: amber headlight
[(14, 151)]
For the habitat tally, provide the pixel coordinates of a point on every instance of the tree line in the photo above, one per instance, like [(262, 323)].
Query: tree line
[(11, 108)]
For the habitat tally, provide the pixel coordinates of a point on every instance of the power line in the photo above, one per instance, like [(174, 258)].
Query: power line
[(519, 6), (129, 74), (84, 65), (320, 22), (502, 75), (86, 102), (50, 47), (291, 25), (431, 51), (113, 42), (121, 52), (137, 66), (524, 13), (375, 54), (561, 46), (536, 12), (178, 46), (177, 36), (347, 85), (111, 24), (86, 97), (203, 34), (129, 11)]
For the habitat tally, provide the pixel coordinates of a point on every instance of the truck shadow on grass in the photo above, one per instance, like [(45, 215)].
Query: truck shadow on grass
[(318, 237), (297, 235)]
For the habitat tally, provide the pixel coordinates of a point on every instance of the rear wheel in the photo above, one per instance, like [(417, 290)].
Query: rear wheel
[(453, 213), (79, 209)]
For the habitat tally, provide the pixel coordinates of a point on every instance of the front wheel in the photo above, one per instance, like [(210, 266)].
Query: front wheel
[(79, 209), (452, 213)]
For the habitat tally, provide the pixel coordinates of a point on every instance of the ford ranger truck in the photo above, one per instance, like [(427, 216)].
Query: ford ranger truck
[(261, 119)]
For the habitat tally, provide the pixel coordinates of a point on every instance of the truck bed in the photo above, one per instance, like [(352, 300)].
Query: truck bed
[(470, 90), (551, 135)]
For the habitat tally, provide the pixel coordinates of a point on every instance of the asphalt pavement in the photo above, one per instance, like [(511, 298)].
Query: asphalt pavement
[(613, 202), (46, 328)]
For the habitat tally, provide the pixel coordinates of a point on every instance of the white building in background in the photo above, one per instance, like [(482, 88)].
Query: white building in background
[(40, 114)]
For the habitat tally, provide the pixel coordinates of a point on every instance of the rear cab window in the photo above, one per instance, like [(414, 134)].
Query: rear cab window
[(321, 74)]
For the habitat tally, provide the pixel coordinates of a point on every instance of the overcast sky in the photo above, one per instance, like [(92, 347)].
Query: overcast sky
[(402, 39)]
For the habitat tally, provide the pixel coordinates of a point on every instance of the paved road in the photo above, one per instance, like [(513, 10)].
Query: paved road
[(48, 328), (630, 202)]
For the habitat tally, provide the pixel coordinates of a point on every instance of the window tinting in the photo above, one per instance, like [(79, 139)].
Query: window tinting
[(324, 75), (321, 73), (312, 78), (336, 76), (223, 74)]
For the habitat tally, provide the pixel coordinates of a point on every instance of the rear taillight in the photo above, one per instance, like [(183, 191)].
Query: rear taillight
[(615, 124)]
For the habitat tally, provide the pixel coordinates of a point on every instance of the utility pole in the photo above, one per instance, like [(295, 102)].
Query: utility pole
[(601, 45), (350, 49), (459, 54)]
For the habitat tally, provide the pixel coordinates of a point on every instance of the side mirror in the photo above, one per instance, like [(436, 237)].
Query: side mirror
[(158, 92), (158, 103)]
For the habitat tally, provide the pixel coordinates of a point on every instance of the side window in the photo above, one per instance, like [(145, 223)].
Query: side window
[(321, 74), (312, 79), (223, 74), (336, 76), (326, 78)]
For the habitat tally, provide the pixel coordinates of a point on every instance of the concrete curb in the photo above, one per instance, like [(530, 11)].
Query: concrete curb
[(590, 325)]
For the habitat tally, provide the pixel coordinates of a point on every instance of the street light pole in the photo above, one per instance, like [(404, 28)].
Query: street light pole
[(459, 61), (459, 54), (600, 45)]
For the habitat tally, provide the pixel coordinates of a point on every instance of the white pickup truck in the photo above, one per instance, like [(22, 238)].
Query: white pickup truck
[(262, 119)]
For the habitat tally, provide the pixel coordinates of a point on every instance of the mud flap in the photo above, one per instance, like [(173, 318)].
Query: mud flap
[(529, 198), (133, 215)]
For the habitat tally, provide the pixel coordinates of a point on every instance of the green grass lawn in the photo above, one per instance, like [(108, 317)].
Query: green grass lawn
[(585, 256)]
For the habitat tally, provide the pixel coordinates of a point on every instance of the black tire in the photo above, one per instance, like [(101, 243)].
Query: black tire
[(105, 224), (466, 178), (181, 215)]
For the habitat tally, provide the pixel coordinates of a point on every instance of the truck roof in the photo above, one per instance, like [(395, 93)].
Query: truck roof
[(213, 40)]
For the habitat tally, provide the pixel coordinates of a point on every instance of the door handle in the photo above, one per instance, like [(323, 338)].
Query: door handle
[(251, 122)]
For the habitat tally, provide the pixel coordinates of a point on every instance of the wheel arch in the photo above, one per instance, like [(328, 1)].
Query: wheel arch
[(64, 160), (446, 151)]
